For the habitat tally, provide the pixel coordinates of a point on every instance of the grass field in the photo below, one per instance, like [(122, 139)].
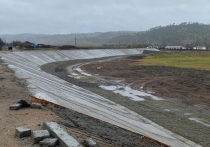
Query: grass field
[(196, 60)]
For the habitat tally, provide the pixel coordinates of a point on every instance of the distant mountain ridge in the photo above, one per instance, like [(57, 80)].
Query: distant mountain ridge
[(186, 34), (68, 39)]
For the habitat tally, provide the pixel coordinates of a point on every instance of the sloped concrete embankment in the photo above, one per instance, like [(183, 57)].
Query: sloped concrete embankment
[(45, 86)]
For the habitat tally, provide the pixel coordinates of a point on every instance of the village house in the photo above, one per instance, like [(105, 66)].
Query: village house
[(43, 46), (175, 47), (30, 45), (199, 48)]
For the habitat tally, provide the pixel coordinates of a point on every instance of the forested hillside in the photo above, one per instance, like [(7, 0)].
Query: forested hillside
[(186, 34)]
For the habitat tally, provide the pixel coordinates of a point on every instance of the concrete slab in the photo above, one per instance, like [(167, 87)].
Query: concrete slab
[(36, 105), (89, 142), (40, 135), (65, 140), (16, 106), (22, 132), (49, 142)]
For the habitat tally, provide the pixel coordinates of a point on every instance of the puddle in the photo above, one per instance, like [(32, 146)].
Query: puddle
[(131, 93), (82, 72), (201, 121), (74, 76), (77, 72), (136, 95)]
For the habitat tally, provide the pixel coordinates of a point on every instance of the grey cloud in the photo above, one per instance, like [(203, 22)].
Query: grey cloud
[(81, 16)]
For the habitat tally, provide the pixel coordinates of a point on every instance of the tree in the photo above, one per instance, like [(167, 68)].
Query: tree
[(17, 43), (2, 43)]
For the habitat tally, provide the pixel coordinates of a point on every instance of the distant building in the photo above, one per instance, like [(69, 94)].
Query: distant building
[(29, 45), (175, 47), (199, 48), (156, 47), (43, 46)]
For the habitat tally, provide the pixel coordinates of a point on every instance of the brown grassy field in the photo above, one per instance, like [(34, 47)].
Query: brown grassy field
[(195, 60)]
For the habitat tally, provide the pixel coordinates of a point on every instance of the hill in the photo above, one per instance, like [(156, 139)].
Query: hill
[(68, 39), (186, 34)]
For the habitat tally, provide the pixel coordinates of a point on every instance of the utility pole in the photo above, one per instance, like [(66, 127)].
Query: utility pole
[(75, 43)]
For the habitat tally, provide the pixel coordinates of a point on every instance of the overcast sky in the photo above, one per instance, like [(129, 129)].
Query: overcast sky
[(84, 16)]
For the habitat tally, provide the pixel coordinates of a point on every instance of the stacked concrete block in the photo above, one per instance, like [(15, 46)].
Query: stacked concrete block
[(22, 132), (40, 135), (65, 140)]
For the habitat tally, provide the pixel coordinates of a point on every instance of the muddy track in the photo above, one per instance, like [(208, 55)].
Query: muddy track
[(174, 120)]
